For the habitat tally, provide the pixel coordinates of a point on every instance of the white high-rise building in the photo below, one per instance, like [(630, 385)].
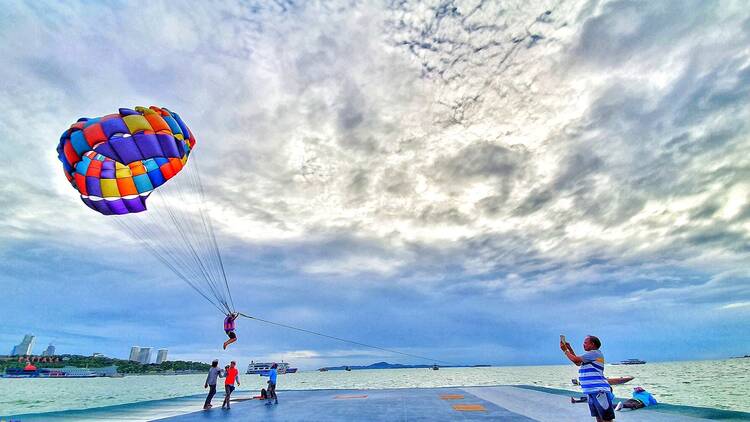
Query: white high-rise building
[(161, 356), (135, 354), (145, 356), (50, 351), (25, 347)]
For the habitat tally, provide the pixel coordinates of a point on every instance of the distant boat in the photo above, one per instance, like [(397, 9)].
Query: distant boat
[(323, 369), (348, 368), (263, 368), (435, 367), (66, 372), (632, 362)]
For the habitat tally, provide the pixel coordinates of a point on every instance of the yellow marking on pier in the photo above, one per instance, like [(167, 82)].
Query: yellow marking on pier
[(469, 408)]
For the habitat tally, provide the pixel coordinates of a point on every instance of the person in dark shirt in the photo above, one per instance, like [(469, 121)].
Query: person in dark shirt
[(213, 374)]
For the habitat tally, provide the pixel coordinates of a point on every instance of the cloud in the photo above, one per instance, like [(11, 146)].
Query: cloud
[(369, 159)]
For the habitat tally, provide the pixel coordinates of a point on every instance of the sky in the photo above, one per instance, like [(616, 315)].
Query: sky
[(458, 180)]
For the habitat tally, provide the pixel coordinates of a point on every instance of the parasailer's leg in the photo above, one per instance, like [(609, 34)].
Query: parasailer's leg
[(232, 339)]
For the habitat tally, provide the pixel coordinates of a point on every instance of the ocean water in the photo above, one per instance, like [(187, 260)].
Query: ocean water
[(723, 384)]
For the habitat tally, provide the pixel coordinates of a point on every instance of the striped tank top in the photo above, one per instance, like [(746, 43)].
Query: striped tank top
[(591, 373)]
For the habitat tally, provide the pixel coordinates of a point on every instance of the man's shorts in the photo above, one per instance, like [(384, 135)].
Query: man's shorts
[(231, 334), (228, 388), (600, 405)]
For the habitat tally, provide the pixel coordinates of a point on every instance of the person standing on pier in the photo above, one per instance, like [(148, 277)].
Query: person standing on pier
[(272, 374), (213, 374), (591, 377), (232, 375)]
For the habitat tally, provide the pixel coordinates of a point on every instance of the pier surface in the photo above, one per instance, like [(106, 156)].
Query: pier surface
[(484, 403)]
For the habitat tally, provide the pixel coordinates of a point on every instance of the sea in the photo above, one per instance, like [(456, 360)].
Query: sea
[(720, 384)]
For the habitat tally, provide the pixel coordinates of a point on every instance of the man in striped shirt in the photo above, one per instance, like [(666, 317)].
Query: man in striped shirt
[(591, 377)]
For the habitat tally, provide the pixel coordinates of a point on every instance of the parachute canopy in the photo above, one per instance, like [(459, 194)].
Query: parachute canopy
[(116, 161)]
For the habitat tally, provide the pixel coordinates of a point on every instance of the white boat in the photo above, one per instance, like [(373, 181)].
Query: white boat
[(65, 372), (263, 368), (632, 362)]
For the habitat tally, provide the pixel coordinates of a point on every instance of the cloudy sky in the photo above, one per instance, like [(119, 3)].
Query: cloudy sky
[(461, 180)]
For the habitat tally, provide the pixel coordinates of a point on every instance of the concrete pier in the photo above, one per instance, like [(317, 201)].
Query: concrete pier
[(483, 403)]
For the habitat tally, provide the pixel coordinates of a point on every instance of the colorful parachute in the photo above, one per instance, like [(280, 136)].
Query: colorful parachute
[(118, 161)]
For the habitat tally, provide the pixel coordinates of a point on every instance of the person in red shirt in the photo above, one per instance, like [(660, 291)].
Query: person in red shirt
[(233, 375), (29, 366)]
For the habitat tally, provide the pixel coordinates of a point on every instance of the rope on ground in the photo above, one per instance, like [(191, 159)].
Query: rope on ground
[(347, 341)]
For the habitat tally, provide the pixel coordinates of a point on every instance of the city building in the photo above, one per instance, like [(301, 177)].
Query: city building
[(144, 357), (24, 349), (50, 351), (161, 356), (135, 353)]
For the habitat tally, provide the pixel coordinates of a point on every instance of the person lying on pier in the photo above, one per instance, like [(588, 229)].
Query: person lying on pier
[(229, 327), (641, 398)]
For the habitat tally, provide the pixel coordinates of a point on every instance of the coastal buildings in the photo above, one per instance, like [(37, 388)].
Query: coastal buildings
[(50, 351), (135, 353), (161, 356), (25, 347), (144, 357)]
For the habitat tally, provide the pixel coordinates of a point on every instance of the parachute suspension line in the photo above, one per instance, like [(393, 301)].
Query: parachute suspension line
[(178, 231), (179, 259), (193, 245), (197, 236), (134, 232), (213, 237), (346, 341), (187, 244), (212, 245)]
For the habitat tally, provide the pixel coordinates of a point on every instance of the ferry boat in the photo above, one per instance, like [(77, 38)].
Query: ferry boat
[(64, 372), (263, 368), (632, 362)]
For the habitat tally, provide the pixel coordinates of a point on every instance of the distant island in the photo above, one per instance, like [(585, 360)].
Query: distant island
[(386, 365)]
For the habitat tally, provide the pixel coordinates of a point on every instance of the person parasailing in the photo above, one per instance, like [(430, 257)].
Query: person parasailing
[(229, 326)]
